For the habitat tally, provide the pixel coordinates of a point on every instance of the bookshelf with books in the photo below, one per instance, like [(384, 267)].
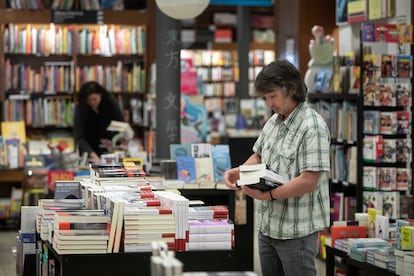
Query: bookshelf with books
[(386, 90), (221, 93), (44, 59), (340, 94), (47, 54), (341, 110)]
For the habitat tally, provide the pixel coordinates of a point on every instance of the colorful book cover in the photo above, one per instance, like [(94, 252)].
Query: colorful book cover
[(387, 33), (186, 170), (387, 177), (371, 121), (391, 204), (368, 32), (389, 150), (403, 179), (14, 130), (404, 66), (189, 78), (371, 199), (345, 232), (370, 92), (194, 119), (370, 178), (387, 95), (372, 214), (13, 153), (403, 150), (204, 169), (387, 65), (357, 11), (403, 94), (221, 161), (388, 122), (341, 11), (405, 33), (382, 227), (56, 175), (374, 9), (179, 150), (403, 122)]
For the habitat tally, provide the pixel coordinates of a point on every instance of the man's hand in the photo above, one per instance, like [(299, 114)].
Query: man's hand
[(231, 176), (255, 193)]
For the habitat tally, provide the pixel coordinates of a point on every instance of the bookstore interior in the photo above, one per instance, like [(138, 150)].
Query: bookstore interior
[(182, 73)]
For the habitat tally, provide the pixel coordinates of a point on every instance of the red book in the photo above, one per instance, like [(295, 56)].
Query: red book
[(345, 232), (59, 175)]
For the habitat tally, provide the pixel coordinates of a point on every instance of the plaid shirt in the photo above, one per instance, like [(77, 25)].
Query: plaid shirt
[(299, 143)]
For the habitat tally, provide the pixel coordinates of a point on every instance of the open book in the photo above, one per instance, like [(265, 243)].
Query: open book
[(259, 177)]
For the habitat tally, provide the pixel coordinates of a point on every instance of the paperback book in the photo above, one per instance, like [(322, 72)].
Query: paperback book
[(259, 177)]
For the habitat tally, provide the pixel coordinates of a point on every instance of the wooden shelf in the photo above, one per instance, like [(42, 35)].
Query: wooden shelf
[(126, 17), (12, 175)]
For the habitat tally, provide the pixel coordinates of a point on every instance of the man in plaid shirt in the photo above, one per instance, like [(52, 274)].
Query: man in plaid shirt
[(295, 143)]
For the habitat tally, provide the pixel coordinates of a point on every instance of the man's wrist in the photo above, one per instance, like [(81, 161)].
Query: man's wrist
[(271, 195)]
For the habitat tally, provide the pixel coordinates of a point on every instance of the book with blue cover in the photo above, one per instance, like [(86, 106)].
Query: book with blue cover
[(186, 169), (221, 161)]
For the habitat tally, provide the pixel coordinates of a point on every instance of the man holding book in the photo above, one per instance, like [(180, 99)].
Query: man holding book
[(294, 143)]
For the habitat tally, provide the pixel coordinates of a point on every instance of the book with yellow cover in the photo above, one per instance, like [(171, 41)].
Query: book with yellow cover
[(14, 130)]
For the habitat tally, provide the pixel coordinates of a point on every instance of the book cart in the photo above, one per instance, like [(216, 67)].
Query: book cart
[(48, 262)]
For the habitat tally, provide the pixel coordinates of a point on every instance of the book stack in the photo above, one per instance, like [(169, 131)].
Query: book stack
[(80, 232), (213, 234), (349, 231), (26, 241), (114, 210), (118, 174), (179, 204), (382, 257), (47, 209), (359, 247), (408, 264), (143, 225), (400, 224), (208, 212), (259, 177)]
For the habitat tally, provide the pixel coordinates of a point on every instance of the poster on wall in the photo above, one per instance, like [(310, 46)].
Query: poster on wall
[(194, 119)]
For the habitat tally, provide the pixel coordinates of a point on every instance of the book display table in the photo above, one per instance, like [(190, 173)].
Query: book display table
[(352, 267), (240, 258), (138, 263)]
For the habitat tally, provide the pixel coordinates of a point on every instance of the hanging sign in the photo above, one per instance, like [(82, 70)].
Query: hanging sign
[(78, 17)]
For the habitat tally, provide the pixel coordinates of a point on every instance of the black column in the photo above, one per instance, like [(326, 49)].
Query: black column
[(167, 57), (243, 47)]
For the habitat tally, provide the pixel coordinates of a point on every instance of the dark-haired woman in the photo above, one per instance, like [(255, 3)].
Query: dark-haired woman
[(96, 108)]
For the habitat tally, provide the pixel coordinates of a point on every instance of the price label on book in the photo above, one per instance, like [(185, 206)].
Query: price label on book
[(78, 17)]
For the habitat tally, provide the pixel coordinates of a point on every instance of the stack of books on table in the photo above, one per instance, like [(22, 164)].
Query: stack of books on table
[(401, 260), (213, 234), (208, 212), (359, 247), (117, 174), (80, 232), (382, 257), (179, 205), (47, 209), (143, 225), (408, 263)]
